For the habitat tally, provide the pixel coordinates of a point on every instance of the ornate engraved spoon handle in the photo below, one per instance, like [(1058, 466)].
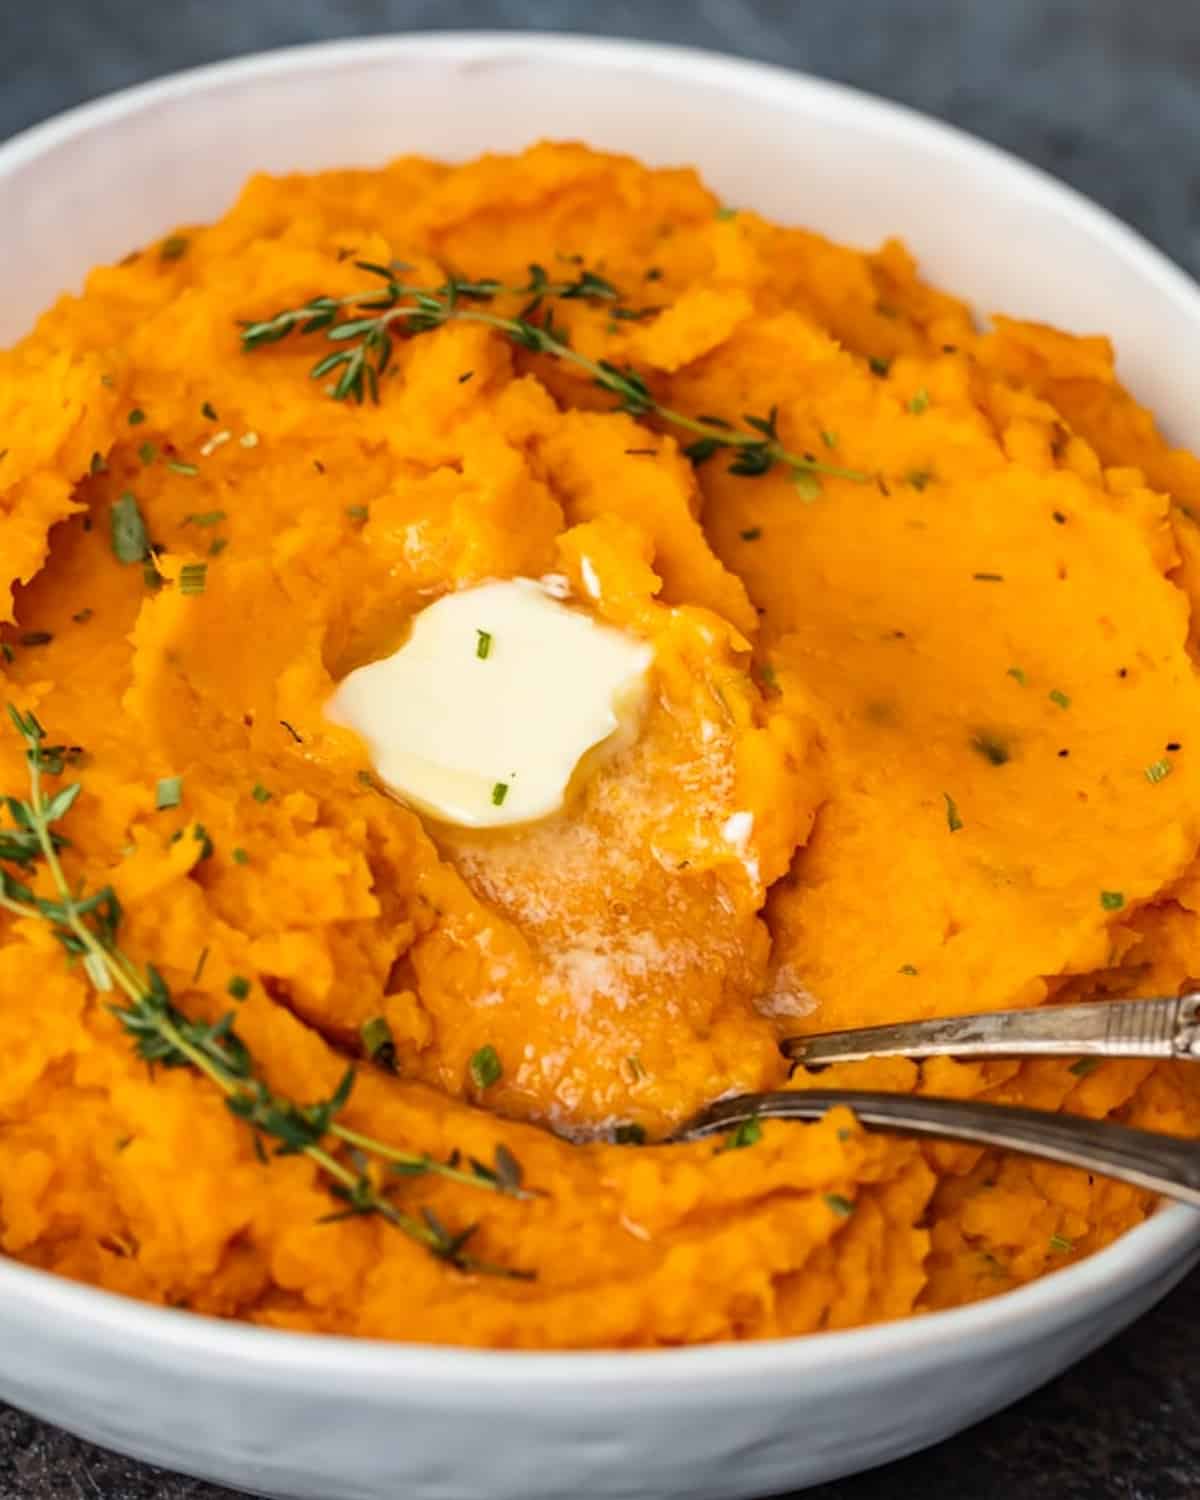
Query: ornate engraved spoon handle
[(1107, 1028), (1160, 1162)]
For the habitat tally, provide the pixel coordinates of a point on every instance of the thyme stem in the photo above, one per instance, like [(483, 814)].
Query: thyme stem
[(87, 927), (365, 346)]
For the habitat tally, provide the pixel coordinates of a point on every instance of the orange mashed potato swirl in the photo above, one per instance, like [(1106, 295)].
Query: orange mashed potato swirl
[(895, 765)]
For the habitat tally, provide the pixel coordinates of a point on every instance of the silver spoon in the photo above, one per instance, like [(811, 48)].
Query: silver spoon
[(1160, 1028), (1162, 1163), (1168, 1027)]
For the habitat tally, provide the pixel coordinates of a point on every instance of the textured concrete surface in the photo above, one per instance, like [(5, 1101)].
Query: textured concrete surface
[(1104, 93)]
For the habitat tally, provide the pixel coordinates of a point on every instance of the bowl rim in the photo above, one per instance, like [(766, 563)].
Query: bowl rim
[(163, 1334)]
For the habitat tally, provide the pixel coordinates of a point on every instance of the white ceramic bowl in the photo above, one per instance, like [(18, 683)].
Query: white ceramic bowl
[(332, 1419)]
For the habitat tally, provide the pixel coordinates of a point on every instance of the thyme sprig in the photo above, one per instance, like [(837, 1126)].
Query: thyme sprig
[(365, 325), (87, 925)]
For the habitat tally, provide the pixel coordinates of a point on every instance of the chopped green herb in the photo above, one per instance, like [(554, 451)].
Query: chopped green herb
[(1016, 673), (839, 1205), (483, 644), (1085, 1067), (919, 402), (174, 247), (909, 969), (148, 452), (136, 417), (953, 821), (1056, 696), (35, 638), (217, 546), (378, 1042), (97, 465), (751, 534), (1112, 900), (1063, 1246), (239, 856), (238, 987), (806, 484), (919, 478), (748, 1133), (632, 1134), (193, 577), (485, 1067), (260, 793), (129, 541), (1158, 770), (992, 748), (189, 471), (208, 411), (769, 677), (465, 376), (200, 962), (360, 513), (636, 1071), (204, 518), (168, 793), (988, 577), (499, 792), (829, 438), (200, 834), (726, 213), (6, 651), (83, 616), (878, 365)]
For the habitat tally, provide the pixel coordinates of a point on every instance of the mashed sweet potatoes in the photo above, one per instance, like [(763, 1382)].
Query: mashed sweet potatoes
[(919, 745)]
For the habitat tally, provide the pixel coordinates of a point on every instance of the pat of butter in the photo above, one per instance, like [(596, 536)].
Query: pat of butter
[(482, 716)]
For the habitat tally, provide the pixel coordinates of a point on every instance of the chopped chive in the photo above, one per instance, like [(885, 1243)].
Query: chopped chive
[(748, 1133), (1059, 697), (953, 821), (919, 478), (909, 969), (238, 987), (189, 471), (988, 577), (1063, 1246), (1158, 770), (499, 792), (631, 1134), (1085, 1067), (240, 857), (174, 247), (168, 793), (200, 834), (878, 365), (217, 546), (919, 402), (751, 534), (136, 417), (483, 649), (1017, 673), (1112, 900), (485, 1067), (260, 793), (193, 577), (378, 1042), (726, 213), (35, 638), (208, 411), (806, 485), (636, 1070), (83, 616), (148, 452), (360, 513), (839, 1205), (129, 541), (829, 438), (204, 518), (97, 465)]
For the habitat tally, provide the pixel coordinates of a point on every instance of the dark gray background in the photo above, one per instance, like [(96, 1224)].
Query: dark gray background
[(1105, 93)]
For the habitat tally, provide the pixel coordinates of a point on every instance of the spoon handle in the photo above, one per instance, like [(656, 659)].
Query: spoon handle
[(1162, 1163), (1168, 1027)]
